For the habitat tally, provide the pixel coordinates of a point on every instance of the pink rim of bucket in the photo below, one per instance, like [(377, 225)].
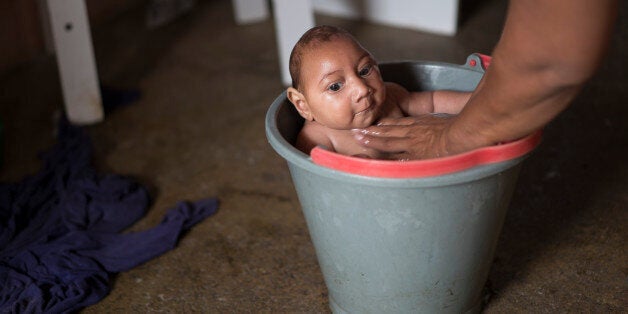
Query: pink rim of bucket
[(426, 167)]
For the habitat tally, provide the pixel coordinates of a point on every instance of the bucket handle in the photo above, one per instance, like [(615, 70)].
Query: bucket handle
[(478, 62)]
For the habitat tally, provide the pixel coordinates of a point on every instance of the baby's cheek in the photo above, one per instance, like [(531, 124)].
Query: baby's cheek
[(380, 96)]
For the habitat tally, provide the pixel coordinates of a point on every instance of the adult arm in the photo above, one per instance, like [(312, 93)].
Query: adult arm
[(547, 52)]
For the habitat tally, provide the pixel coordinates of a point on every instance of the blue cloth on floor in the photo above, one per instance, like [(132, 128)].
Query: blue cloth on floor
[(60, 230)]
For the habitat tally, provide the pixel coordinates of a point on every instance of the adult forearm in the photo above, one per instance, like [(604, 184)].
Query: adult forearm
[(548, 50), (508, 106)]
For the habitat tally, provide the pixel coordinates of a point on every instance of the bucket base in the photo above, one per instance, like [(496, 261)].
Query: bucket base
[(336, 309)]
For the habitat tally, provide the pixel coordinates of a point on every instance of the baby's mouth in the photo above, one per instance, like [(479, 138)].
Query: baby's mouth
[(368, 108)]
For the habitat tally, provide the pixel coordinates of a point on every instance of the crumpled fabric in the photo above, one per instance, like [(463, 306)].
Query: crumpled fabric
[(61, 239)]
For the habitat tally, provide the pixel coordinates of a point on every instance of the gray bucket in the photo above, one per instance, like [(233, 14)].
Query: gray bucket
[(401, 245)]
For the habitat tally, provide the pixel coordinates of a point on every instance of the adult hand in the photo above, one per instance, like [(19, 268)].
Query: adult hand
[(418, 137), (547, 52)]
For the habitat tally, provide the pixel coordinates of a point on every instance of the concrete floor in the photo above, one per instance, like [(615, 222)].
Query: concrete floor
[(198, 131)]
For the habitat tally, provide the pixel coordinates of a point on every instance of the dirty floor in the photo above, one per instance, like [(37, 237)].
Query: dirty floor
[(198, 131)]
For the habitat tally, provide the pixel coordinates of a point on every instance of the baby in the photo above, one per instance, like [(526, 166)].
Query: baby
[(337, 87)]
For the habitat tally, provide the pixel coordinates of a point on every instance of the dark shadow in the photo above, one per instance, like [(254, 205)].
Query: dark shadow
[(467, 8), (289, 122), (126, 49)]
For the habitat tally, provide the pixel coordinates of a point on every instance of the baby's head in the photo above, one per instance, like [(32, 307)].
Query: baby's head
[(335, 81), (313, 37)]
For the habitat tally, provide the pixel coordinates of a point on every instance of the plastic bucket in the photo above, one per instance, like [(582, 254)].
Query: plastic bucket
[(419, 242)]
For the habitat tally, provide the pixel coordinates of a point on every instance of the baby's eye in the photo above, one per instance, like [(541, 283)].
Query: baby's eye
[(334, 87), (365, 71)]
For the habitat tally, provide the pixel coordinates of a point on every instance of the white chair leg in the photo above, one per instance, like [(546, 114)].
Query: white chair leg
[(292, 19), (75, 58), (249, 11)]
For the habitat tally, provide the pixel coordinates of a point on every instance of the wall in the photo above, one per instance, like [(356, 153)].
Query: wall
[(436, 16)]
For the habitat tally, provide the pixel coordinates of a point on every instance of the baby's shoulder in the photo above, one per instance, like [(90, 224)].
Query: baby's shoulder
[(395, 93), (392, 87), (313, 134)]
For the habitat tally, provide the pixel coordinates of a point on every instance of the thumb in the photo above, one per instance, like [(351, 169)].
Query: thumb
[(396, 121)]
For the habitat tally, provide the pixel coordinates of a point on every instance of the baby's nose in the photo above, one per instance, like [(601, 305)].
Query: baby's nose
[(361, 90)]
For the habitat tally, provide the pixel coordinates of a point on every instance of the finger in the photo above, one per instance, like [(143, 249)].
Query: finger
[(396, 121), (383, 144), (423, 118), (386, 130)]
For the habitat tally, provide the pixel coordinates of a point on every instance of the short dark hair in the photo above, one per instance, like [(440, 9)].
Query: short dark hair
[(317, 34)]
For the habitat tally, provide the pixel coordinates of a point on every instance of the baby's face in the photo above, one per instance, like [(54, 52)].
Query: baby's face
[(342, 84)]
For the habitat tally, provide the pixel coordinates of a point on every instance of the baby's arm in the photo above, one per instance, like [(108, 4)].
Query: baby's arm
[(417, 103), (452, 102)]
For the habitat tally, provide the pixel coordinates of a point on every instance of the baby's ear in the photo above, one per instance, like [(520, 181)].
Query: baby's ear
[(299, 102)]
